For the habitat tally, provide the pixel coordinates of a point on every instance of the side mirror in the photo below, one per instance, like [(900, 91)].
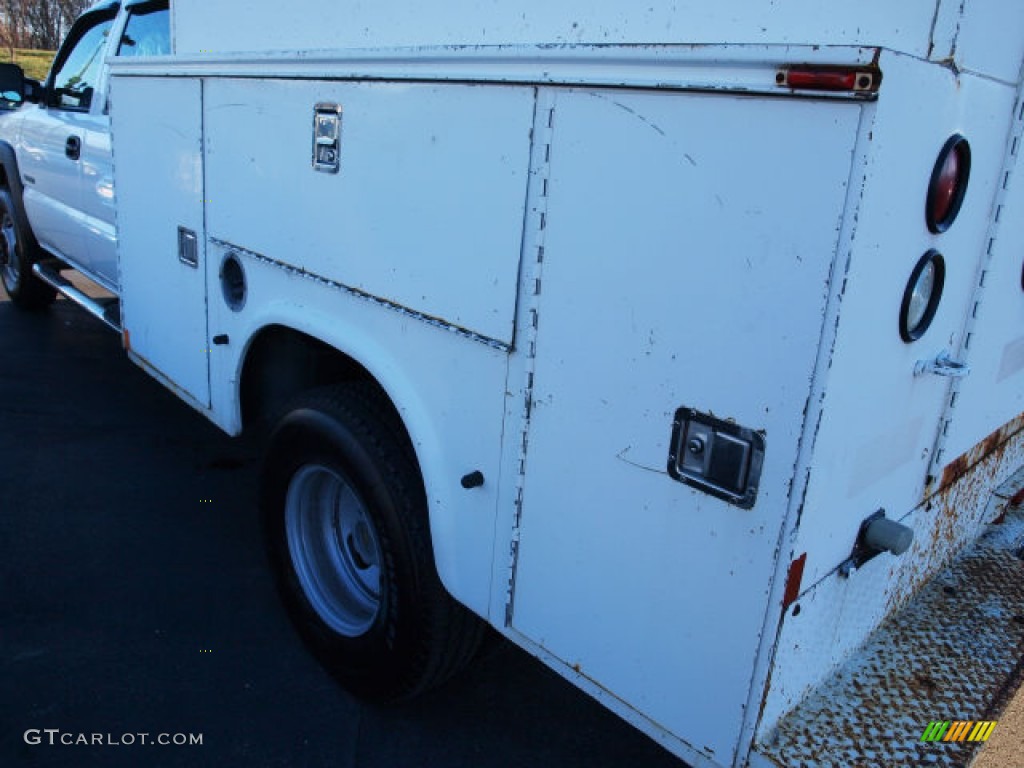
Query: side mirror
[(33, 90), (12, 85)]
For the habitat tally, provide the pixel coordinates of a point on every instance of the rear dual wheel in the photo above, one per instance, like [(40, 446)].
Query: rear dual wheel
[(345, 516)]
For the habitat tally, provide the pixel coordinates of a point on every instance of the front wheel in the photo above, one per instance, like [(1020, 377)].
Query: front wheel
[(345, 517), (25, 289)]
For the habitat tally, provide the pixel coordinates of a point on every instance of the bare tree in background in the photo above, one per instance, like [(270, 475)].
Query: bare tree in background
[(37, 23), (68, 10), (12, 26), (43, 21)]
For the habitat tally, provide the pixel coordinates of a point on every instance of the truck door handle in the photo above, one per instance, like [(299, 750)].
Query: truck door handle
[(73, 148)]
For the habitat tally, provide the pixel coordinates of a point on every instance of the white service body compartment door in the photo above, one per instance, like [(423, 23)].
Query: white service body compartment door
[(424, 211), (158, 173), (689, 240), (993, 394)]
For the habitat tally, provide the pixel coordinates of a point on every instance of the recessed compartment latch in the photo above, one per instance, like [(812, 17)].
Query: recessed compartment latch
[(327, 137), (188, 247), (716, 456)]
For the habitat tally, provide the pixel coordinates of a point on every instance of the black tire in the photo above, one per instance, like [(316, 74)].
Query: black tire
[(344, 509), (16, 258)]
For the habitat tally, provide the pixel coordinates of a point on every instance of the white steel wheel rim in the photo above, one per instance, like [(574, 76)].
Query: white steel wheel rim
[(9, 244), (334, 549)]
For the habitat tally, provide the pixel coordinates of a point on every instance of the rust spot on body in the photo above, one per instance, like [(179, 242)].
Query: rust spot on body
[(995, 442), (1017, 499), (954, 471), (793, 580), (953, 510)]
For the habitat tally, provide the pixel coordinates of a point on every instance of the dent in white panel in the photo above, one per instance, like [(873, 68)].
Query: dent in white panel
[(1013, 359), (884, 455)]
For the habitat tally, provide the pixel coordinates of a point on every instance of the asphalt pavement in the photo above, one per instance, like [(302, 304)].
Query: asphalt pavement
[(135, 599)]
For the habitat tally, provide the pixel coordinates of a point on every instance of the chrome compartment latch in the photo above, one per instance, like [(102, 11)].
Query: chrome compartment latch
[(327, 137), (718, 457)]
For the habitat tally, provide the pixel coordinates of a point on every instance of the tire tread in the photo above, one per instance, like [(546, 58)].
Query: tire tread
[(31, 293), (449, 635)]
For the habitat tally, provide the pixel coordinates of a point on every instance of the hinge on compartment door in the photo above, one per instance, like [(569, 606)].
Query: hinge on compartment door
[(533, 263)]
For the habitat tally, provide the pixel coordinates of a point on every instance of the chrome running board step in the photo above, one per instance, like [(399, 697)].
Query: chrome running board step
[(107, 310)]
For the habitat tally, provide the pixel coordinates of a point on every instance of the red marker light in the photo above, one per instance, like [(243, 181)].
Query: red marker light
[(945, 186), (828, 79), (822, 81), (948, 184)]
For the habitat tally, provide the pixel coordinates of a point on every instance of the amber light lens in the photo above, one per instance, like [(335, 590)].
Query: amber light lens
[(948, 184)]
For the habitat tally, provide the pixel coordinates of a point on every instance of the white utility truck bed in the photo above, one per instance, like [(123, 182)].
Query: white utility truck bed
[(684, 345)]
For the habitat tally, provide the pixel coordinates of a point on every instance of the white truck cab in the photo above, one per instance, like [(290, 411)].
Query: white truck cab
[(684, 346), (62, 144)]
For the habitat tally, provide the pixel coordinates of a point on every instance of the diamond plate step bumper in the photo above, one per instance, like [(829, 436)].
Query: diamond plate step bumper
[(955, 653)]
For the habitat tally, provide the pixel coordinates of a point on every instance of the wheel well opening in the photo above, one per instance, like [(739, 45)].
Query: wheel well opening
[(282, 363)]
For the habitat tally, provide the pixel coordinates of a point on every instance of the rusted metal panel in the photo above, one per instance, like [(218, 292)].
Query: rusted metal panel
[(832, 617), (958, 507), (995, 443), (947, 656)]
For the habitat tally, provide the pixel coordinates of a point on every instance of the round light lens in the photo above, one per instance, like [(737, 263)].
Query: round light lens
[(948, 184), (922, 295), (945, 186)]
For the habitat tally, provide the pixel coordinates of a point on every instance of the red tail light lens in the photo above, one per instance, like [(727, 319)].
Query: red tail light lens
[(948, 184)]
